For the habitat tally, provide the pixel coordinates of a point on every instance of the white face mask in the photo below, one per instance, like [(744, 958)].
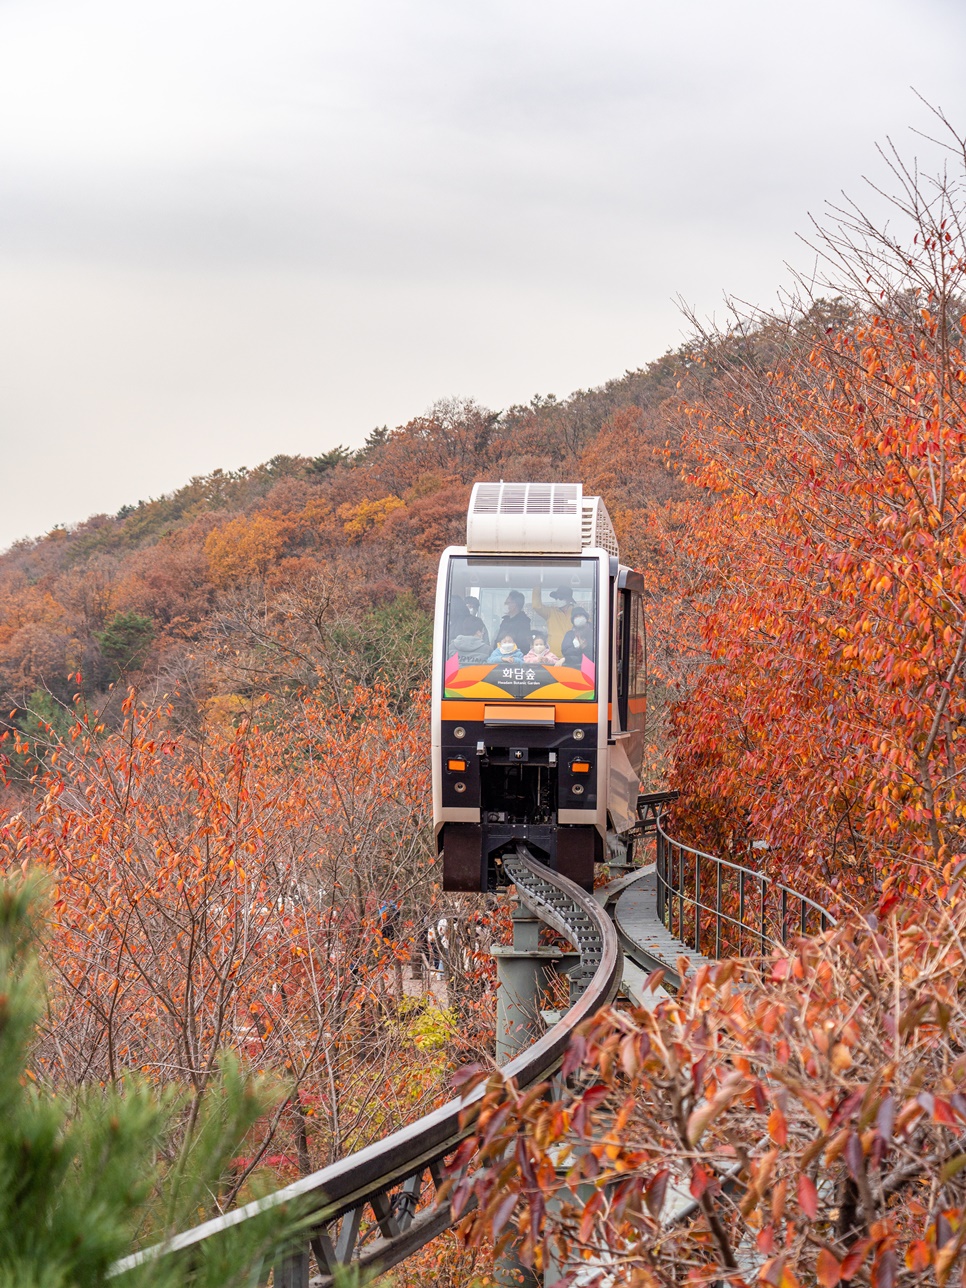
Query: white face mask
[(580, 622), (539, 647), (508, 646)]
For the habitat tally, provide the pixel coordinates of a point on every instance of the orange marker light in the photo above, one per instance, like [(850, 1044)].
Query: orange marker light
[(457, 765), (580, 767)]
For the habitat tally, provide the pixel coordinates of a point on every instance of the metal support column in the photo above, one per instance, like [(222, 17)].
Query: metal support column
[(523, 973)]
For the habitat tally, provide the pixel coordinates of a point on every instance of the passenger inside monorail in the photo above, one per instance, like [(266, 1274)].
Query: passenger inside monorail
[(541, 653), (470, 643), (507, 650), (526, 606), (473, 608)]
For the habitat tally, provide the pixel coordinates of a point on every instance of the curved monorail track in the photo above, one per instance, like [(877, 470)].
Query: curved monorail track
[(395, 1175), (399, 1178)]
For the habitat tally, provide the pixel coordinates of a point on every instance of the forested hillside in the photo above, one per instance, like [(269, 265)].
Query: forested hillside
[(245, 580), (215, 744)]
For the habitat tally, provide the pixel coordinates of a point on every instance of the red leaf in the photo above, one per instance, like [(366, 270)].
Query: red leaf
[(655, 1191), (766, 1241), (808, 1197), (884, 1270), (699, 1181), (502, 1214), (472, 1073), (460, 1197), (778, 1127), (854, 1156), (942, 1112), (918, 1256), (852, 1264), (594, 1095), (885, 1119), (574, 1055)]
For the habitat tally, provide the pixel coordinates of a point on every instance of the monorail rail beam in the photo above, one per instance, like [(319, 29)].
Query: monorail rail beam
[(393, 1174)]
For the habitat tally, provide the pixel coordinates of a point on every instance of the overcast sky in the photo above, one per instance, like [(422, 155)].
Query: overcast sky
[(229, 230)]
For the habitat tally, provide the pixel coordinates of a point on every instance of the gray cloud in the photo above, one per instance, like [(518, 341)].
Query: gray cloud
[(232, 230)]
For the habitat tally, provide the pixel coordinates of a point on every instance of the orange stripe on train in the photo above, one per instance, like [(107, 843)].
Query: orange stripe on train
[(564, 712)]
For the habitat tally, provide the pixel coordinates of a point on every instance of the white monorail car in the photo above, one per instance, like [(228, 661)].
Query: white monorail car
[(539, 686)]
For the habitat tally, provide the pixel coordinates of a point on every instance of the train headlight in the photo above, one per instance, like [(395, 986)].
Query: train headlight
[(578, 735), (578, 789), (460, 732), (461, 787)]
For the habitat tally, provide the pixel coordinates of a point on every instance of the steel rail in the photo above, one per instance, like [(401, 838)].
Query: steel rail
[(391, 1175)]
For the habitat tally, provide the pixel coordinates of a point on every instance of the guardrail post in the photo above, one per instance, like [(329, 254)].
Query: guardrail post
[(697, 904), (681, 930)]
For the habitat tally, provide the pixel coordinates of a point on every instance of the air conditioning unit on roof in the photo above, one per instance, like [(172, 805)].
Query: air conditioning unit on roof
[(549, 518)]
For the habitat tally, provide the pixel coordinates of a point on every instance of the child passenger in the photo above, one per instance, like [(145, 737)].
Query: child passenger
[(506, 650), (539, 652)]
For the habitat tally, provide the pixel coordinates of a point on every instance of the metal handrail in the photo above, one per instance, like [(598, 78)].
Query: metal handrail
[(402, 1160), (675, 891)]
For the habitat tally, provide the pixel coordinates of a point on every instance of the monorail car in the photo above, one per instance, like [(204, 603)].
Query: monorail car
[(539, 686)]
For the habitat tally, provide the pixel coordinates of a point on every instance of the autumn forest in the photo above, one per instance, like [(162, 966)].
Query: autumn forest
[(214, 748)]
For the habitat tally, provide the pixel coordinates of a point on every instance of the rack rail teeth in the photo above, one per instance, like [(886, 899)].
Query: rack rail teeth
[(561, 912)]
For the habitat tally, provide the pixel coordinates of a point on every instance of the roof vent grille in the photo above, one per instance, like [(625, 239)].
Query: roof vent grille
[(597, 529)]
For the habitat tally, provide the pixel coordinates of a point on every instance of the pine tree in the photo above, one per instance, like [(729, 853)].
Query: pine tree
[(82, 1180)]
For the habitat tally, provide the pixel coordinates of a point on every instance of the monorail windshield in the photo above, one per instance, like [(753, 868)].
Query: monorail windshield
[(521, 628)]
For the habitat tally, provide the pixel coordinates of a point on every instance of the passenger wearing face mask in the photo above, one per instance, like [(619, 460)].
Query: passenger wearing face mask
[(571, 648), (583, 647), (506, 650), (556, 615), (516, 623), (540, 653)]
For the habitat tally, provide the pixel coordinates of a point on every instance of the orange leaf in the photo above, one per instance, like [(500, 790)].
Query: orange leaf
[(827, 1269), (918, 1256), (778, 1127)]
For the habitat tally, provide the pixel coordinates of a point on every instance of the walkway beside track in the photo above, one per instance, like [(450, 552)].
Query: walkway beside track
[(645, 939)]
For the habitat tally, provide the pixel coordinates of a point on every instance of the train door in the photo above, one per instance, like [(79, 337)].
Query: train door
[(631, 663)]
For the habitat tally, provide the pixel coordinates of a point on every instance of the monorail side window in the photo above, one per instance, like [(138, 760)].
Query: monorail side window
[(521, 628)]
